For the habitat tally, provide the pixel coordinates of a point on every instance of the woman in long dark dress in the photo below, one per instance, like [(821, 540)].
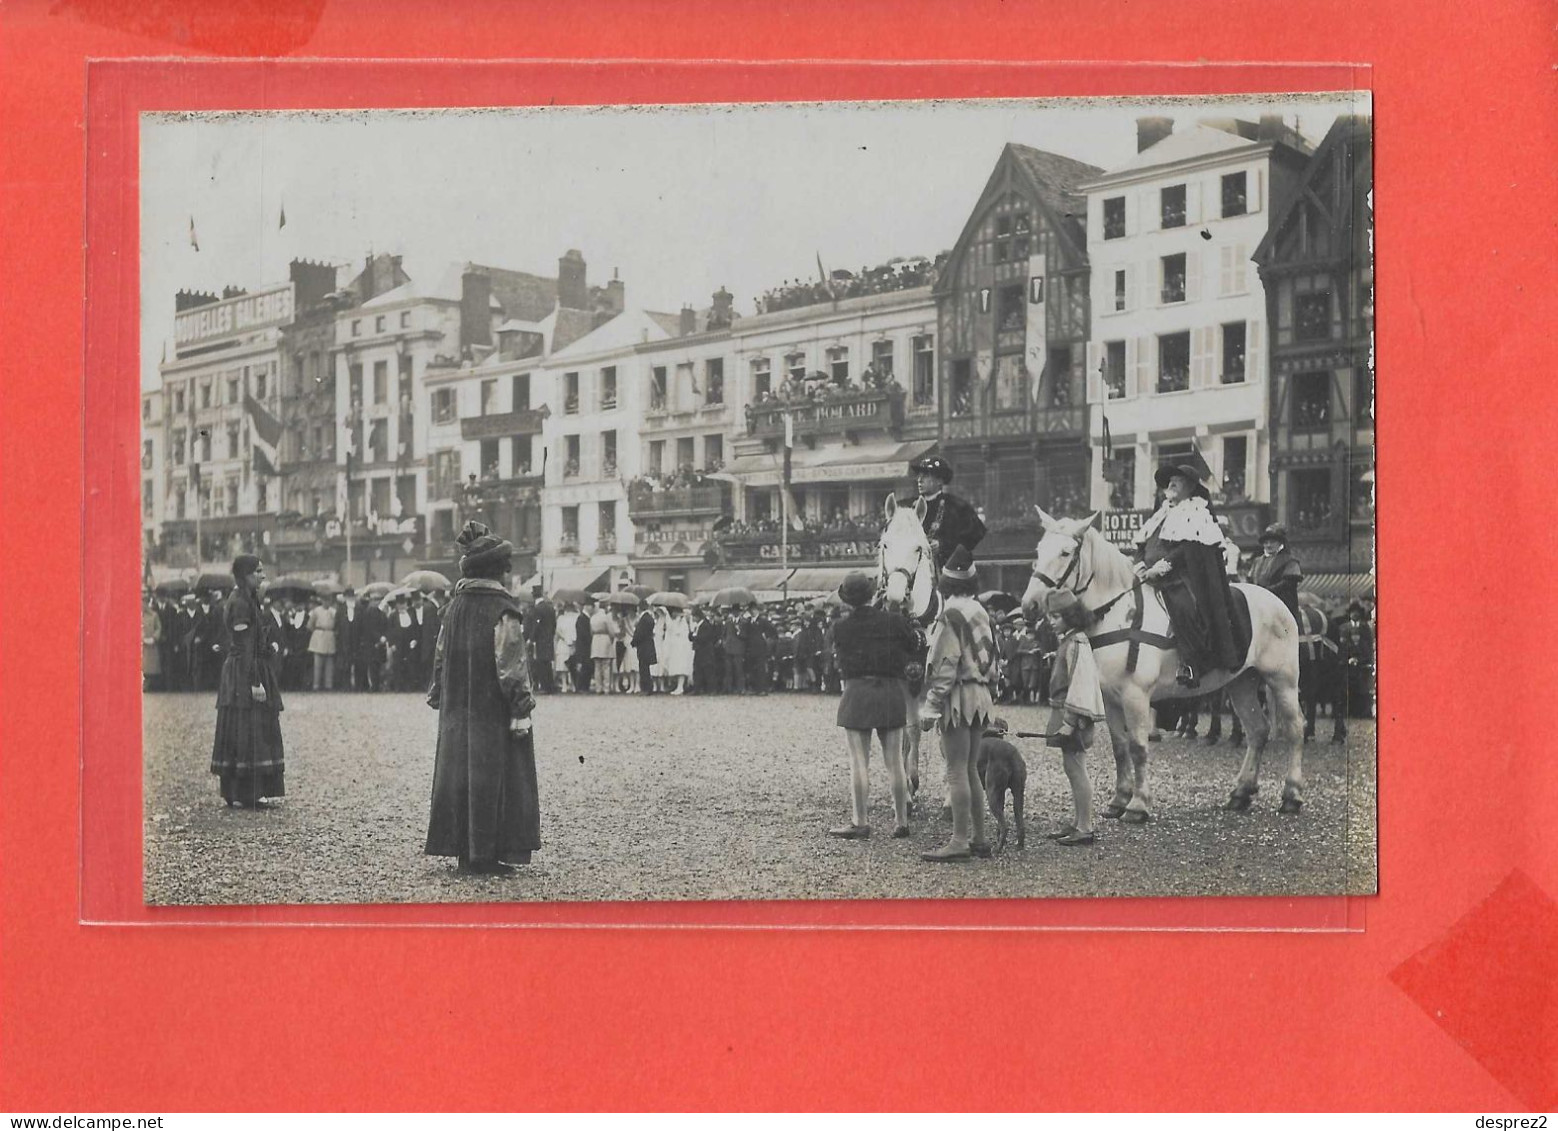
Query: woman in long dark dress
[(247, 753), (485, 811)]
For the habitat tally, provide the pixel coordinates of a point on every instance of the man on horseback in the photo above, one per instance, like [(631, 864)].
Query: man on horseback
[(1182, 556), (949, 521)]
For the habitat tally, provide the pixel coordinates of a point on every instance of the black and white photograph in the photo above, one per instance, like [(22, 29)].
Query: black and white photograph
[(794, 501)]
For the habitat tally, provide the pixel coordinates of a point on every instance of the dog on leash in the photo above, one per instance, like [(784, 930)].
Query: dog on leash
[(1002, 770)]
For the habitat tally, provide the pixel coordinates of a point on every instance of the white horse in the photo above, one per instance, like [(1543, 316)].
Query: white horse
[(1073, 555), (906, 581)]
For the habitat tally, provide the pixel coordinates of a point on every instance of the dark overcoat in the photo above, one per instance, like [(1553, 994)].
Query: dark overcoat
[(485, 806)]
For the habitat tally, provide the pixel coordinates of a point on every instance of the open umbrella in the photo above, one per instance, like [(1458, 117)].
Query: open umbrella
[(572, 597), (642, 592), (669, 600), (376, 589), (174, 587), (427, 580), (389, 598), (300, 586), (997, 601), (222, 581), (700, 600), (624, 598), (733, 596), (327, 587)]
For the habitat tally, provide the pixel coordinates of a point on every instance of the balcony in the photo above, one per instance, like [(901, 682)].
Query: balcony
[(866, 410), (525, 422), (853, 543), (645, 505), (523, 487)]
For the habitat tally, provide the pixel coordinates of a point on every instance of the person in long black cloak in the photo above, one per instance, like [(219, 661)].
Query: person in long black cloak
[(247, 753), (1182, 555), (486, 811)]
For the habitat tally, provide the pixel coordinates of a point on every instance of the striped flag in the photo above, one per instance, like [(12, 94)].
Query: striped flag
[(265, 433)]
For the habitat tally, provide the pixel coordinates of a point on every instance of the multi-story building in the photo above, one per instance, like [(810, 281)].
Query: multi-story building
[(1317, 266), (227, 353), (1013, 309), (680, 378), (486, 409), (153, 486), (856, 380), (1177, 348)]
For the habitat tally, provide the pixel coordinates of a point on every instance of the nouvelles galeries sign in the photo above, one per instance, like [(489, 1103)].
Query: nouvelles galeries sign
[(228, 318)]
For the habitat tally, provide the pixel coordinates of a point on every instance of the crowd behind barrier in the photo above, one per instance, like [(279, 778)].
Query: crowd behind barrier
[(843, 284)]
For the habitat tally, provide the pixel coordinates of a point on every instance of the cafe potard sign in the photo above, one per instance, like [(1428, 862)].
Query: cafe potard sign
[(231, 317)]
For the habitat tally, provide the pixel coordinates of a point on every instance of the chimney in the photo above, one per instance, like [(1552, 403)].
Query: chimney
[(689, 322), (475, 308), (616, 294), (1271, 128), (232, 291), (573, 292), (1150, 131), (311, 282)]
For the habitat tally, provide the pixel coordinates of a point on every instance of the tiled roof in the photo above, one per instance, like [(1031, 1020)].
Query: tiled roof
[(1056, 178), (670, 323), (521, 294)]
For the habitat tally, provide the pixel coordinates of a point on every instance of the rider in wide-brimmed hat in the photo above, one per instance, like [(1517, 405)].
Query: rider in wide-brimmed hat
[(1181, 550), (1277, 569), (950, 521)]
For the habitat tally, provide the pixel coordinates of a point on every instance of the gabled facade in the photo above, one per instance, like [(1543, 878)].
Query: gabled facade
[(1013, 314), (1317, 266), (1177, 351)]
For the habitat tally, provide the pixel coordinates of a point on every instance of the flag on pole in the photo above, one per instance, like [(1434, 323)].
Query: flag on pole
[(283, 223), (193, 241), (265, 434), (789, 430), (822, 274)]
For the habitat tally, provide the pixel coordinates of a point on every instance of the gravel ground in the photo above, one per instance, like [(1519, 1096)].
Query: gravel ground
[(720, 798)]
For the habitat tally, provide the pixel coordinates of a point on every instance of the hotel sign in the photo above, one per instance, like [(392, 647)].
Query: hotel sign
[(230, 317)]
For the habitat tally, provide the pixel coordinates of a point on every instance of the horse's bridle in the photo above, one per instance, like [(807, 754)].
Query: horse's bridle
[(1058, 583)]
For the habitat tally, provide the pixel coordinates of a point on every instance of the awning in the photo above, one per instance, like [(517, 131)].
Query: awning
[(875, 462), (1338, 584), (764, 584), (592, 579), (816, 581)]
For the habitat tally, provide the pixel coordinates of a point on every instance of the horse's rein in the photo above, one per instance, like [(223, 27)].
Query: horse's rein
[(1077, 591)]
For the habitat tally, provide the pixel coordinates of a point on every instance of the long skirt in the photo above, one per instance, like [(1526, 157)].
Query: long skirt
[(247, 754)]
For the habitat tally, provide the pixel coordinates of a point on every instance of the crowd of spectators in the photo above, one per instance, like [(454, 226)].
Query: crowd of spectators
[(684, 476), (818, 386), (837, 525), (897, 275)]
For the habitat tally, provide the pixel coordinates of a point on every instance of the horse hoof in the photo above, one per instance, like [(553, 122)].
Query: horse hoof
[(1136, 817), (1237, 803), (1290, 805), (1113, 812)]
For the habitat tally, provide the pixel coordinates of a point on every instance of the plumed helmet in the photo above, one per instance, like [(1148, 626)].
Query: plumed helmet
[(932, 465)]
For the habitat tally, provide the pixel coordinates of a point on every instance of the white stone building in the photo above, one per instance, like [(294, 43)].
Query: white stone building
[(1178, 340)]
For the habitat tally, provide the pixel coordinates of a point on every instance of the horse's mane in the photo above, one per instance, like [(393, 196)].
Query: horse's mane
[(1111, 568)]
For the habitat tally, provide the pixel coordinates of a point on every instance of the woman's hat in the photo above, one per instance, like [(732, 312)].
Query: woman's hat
[(932, 465), (1190, 465), (960, 566), (856, 589), (481, 549), (1276, 532)]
